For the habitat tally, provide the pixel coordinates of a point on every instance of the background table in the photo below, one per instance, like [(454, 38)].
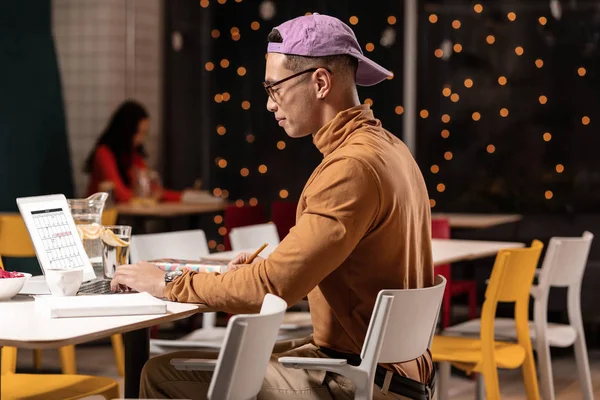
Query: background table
[(477, 221)]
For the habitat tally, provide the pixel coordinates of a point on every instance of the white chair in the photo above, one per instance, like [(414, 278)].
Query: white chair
[(240, 369), (186, 245), (563, 266), (253, 236), (401, 329)]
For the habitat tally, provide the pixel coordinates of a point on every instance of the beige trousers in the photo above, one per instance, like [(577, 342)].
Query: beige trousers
[(161, 381)]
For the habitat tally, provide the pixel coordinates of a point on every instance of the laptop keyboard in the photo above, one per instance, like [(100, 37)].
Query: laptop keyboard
[(96, 287)]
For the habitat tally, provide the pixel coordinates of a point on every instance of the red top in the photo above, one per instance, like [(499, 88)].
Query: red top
[(104, 168)]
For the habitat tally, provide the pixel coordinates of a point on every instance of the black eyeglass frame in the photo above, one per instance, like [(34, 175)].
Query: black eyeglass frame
[(269, 86)]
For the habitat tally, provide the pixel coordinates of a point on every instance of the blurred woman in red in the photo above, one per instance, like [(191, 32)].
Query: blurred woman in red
[(119, 154)]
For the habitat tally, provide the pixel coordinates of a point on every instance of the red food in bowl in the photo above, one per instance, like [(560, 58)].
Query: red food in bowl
[(10, 274)]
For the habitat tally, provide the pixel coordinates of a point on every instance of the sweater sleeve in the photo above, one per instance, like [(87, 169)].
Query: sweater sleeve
[(342, 202), (106, 167)]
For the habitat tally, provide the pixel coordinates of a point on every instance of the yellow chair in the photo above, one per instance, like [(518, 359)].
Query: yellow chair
[(511, 280), (15, 242), (41, 386), (110, 217)]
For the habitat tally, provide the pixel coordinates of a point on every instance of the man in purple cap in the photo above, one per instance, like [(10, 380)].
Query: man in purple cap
[(363, 225)]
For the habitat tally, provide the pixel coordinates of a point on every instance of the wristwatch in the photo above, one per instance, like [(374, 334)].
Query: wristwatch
[(172, 275)]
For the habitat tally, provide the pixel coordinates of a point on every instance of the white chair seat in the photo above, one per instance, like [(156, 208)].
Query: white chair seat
[(559, 335)]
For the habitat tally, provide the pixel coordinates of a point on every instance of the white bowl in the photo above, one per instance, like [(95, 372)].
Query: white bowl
[(9, 287)]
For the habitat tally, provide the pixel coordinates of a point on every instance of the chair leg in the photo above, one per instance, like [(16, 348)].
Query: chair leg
[(583, 366), (112, 393), (119, 352), (544, 362), (68, 361), (37, 359), (479, 387), (489, 380), (443, 382)]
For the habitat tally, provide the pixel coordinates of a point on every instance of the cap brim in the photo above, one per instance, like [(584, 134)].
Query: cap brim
[(370, 73)]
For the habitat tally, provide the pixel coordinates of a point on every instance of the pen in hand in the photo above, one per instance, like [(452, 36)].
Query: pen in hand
[(256, 253)]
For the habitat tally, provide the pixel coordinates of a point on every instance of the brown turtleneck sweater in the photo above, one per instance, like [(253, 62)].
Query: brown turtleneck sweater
[(363, 225)]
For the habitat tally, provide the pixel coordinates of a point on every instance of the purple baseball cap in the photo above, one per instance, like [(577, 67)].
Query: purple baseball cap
[(319, 35)]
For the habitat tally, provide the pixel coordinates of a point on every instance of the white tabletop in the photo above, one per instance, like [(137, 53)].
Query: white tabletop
[(444, 250), (477, 221), (22, 327)]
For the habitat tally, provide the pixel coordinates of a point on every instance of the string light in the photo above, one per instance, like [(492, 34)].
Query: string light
[(441, 187), (448, 155), (445, 118), (399, 110), (456, 24), (511, 16), (476, 116), (204, 3), (543, 99), (218, 219), (250, 138), (221, 247), (241, 71), (490, 39), (455, 97), (391, 20), (458, 47), (542, 20), (353, 20), (222, 163), (369, 101), (224, 63), (239, 203), (218, 98), (519, 50), (585, 120), (490, 148), (468, 83), (424, 114), (548, 194), (217, 192), (478, 8), (433, 18), (445, 133), (560, 168), (581, 71), (225, 193), (221, 130), (438, 53), (253, 202), (262, 169), (244, 172), (504, 112), (539, 63), (212, 244), (222, 231), (255, 25), (215, 33), (281, 145), (389, 78), (547, 137), (245, 105), (432, 203), (446, 92), (222, 1), (226, 96), (502, 80), (236, 36), (435, 169), (209, 66), (283, 194), (370, 47)]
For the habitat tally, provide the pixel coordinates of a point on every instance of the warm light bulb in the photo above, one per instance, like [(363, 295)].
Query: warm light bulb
[(539, 63), (441, 187), (519, 50), (253, 202), (241, 71), (457, 48), (244, 172), (435, 169), (424, 114), (222, 163), (262, 169), (542, 20), (468, 83), (204, 3), (369, 101), (221, 130), (446, 92), (433, 18), (221, 247), (255, 25), (585, 120), (502, 80), (399, 110), (455, 97), (445, 118), (281, 145), (224, 63), (215, 33), (490, 39), (245, 105), (218, 98), (391, 20), (511, 16), (209, 66), (581, 71), (250, 138), (222, 1), (445, 133), (476, 116), (222, 231), (490, 148), (547, 136), (370, 47), (283, 194), (212, 244), (543, 99), (217, 192), (504, 112), (456, 24), (448, 155), (548, 195), (432, 203), (560, 168), (353, 20), (478, 8), (218, 219), (239, 203), (226, 96), (438, 53)]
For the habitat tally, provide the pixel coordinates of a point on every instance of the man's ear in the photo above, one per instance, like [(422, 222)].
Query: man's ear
[(322, 79)]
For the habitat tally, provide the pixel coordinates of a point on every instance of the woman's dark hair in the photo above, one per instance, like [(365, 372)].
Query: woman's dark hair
[(118, 136)]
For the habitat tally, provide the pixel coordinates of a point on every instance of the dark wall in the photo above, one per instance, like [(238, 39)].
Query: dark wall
[(34, 155)]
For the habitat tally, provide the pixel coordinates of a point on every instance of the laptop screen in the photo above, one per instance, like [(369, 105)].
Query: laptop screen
[(54, 234)]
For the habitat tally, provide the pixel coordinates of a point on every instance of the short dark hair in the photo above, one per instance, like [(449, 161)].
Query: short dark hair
[(339, 63)]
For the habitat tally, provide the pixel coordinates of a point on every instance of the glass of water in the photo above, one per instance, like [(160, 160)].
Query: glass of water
[(115, 248)]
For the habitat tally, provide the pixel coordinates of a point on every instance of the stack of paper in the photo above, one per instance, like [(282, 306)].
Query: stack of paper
[(202, 265), (100, 305)]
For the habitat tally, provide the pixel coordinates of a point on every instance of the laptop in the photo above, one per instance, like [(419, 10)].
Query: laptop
[(57, 244)]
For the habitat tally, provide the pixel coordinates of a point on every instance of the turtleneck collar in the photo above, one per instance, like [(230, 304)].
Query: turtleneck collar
[(337, 131)]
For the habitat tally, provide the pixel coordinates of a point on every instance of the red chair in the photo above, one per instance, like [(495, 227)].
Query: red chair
[(283, 215), (242, 216), (440, 229)]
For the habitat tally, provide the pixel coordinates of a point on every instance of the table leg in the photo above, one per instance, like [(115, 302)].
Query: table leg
[(137, 352), (0, 371)]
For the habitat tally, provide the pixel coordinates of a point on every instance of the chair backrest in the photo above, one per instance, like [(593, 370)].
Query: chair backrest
[(565, 260), (242, 216), (247, 348), (14, 238), (253, 236), (283, 215), (402, 324), (187, 245)]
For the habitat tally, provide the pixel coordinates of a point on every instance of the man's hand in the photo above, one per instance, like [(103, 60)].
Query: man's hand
[(239, 261), (142, 277)]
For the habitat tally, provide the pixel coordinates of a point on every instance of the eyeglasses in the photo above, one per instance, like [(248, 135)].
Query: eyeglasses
[(269, 86)]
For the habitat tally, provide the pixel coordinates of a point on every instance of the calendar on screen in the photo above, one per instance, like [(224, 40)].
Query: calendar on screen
[(56, 238)]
